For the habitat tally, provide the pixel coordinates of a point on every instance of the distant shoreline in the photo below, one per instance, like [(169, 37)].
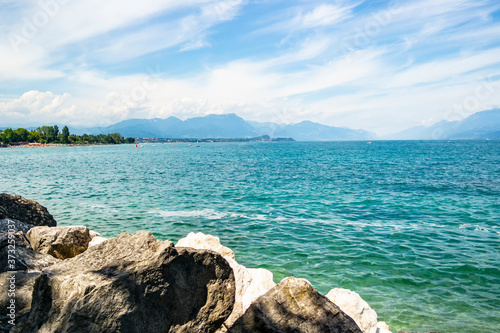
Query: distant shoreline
[(48, 145), (264, 138)]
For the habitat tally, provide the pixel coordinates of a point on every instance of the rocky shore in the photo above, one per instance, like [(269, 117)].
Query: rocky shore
[(70, 279)]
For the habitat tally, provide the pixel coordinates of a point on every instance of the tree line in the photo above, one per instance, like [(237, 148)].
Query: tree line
[(51, 134)]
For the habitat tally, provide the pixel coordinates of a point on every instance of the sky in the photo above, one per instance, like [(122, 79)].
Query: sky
[(383, 66)]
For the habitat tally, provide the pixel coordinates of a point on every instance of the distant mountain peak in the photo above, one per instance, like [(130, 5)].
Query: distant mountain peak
[(480, 125)]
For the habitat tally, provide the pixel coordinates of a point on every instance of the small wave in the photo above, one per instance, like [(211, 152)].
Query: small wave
[(101, 207), (205, 213), (475, 227)]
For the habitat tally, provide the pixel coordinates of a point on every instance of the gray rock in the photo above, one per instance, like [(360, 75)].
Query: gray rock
[(26, 211), (16, 239), (23, 289), (10, 225), (21, 268), (59, 242), (133, 283), (25, 260), (294, 306)]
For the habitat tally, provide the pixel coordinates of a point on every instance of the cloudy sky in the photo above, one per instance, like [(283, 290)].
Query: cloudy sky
[(383, 66)]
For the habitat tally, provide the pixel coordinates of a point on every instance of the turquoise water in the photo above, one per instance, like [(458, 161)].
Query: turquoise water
[(413, 227)]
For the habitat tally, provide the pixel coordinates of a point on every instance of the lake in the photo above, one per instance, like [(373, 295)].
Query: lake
[(413, 227)]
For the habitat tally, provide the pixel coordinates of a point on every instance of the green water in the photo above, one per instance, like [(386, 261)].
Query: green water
[(413, 227)]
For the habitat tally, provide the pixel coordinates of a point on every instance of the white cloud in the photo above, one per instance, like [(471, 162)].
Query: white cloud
[(378, 84), (303, 18), (113, 30), (37, 107), (446, 69), (322, 15)]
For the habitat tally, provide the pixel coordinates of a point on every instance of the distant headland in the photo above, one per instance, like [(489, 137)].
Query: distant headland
[(50, 135)]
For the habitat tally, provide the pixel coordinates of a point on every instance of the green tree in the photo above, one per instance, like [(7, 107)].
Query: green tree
[(22, 134), (65, 134), (115, 138), (34, 136), (51, 134), (4, 139), (10, 135), (74, 139)]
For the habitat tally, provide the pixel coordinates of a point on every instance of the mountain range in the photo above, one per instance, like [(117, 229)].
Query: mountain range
[(226, 126), (479, 126)]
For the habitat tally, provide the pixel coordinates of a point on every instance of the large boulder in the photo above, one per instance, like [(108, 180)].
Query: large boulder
[(133, 283), (251, 283), (18, 274), (20, 285), (355, 307), (29, 212), (59, 242), (294, 306)]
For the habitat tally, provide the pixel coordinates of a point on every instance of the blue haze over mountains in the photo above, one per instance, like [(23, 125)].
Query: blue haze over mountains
[(227, 126), (481, 125)]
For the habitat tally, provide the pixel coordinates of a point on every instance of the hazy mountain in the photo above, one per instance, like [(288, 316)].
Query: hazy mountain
[(267, 128), (310, 131), (211, 126), (218, 126), (147, 128), (481, 125)]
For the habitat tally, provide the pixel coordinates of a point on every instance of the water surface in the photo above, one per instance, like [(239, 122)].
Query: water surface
[(413, 227)]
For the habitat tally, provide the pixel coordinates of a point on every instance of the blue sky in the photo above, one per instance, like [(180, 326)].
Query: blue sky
[(382, 66)]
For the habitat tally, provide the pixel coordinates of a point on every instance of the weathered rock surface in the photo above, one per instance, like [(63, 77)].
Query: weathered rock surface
[(133, 283), (251, 283), (25, 260), (16, 238), (23, 282), (26, 211), (355, 307), (294, 306), (59, 242), (10, 225), (21, 272), (205, 242)]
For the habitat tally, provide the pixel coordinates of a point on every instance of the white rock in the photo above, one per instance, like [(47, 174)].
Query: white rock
[(382, 327), (356, 308), (97, 240), (251, 283), (205, 242), (261, 282)]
